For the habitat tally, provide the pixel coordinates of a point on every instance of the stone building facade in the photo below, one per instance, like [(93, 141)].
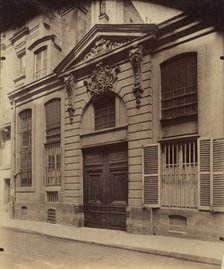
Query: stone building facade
[(117, 125)]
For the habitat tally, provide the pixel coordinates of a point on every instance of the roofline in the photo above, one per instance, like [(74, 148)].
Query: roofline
[(106, 28)]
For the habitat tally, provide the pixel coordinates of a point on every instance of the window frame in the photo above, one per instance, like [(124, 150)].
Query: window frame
[(43, 53), (189, 91), (104, 104), (53, 140), (27, 149), (179, 176), (21, 63)]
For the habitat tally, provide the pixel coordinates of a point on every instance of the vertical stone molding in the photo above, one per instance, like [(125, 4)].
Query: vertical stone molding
[(69, 81), (136, 57)]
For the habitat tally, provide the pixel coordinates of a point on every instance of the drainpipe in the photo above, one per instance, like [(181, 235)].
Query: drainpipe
[(14, 174), (151, 221)]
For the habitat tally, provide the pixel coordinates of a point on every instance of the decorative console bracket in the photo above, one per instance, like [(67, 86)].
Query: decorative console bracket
[(136, 57), (102, 79), (69, 81)]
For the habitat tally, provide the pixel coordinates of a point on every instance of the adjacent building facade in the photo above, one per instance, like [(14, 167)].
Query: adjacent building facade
[(5, 129), (118, 124)]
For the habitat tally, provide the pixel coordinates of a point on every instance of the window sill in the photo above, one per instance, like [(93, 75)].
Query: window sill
[(107, 130), (186, 117), (53, 188), (19, 77), (178, 138), (25, 189)]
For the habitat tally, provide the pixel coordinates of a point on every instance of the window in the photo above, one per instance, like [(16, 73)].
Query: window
[(102, 7), (179, 86), (25, 148), (40, 63), (179, 175), (53, 164), (53, 139), (174, 180), (104, 109), (52, 196), (21, 64)]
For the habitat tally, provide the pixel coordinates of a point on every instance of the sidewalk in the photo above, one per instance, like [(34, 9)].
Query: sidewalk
[(189, 249)]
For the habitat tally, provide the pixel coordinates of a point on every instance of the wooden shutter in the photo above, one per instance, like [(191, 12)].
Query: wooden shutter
[(151, 175), (211, 174), (204, 174), (218, 174)]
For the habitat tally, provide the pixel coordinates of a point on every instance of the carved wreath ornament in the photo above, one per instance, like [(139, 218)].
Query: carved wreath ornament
[(102, 79)]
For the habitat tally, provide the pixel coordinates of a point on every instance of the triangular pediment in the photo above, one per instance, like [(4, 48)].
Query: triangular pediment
[(101, 40)]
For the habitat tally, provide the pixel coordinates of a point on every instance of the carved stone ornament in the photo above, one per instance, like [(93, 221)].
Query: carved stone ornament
[(136, 56), (101, 46), (102, 79), (70, 85)]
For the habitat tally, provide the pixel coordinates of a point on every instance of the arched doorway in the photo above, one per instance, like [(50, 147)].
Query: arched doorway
[(105, 163)]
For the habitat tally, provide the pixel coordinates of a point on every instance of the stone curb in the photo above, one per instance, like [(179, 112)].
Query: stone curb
[(170, 254)]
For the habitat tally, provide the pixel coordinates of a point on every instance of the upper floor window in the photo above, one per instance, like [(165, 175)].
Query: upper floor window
[(104, 110), (53, 145), (25, 148), (53, 120), (40, 63), (179, 86), (21, 64), (102, 7)]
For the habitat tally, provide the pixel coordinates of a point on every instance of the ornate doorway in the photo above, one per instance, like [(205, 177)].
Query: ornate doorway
[(106, 187)]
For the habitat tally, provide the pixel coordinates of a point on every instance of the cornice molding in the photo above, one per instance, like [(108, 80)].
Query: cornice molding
[(41, 40), (19, 34), (118, 32), (34, 88)]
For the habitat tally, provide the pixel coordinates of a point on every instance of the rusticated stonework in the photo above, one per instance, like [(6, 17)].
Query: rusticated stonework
[(70, 85), (101, 46), (102, 79), (136, 57)]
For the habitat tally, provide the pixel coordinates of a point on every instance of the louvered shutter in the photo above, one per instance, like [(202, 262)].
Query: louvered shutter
[(218, 175), (151, 175), (204, 174)]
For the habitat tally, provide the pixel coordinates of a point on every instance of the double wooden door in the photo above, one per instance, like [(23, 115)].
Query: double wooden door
[(106, 187)]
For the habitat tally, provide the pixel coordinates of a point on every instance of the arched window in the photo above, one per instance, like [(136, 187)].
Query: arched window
[(179, 86), (104, 112), (53, 142), (26, 147)]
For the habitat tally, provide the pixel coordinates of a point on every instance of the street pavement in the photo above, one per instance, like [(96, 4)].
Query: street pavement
[(188, 249), (24, 250)]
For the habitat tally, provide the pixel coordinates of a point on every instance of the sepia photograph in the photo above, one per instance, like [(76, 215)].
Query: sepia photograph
[(112, 134)]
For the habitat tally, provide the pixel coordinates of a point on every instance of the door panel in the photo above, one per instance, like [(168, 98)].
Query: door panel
[(106, 188)]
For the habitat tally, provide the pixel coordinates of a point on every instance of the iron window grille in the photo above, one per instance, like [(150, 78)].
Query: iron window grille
[(25, 148), (179, 86), (179, 178), (104, 109), (52, 196), (53, 139)]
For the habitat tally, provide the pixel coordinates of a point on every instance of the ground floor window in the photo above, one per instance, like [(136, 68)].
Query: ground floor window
[(179, 179), (26, 167), (53, 164)]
